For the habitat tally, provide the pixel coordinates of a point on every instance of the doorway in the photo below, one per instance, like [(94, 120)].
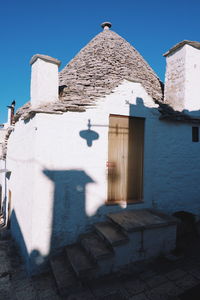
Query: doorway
[(125, 159)]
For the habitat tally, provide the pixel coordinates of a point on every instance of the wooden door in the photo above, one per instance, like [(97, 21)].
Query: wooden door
[(125, 159)]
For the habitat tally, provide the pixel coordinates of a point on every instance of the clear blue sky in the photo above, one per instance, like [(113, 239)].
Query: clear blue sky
[(61, 28)]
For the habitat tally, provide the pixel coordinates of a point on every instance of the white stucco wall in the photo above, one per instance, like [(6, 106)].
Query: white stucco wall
[(192, 80), (2, 137), (2, 134), (2, 183), (182, 88), (177, 170), (74, 174), (3, 168), (21, 161), (59, 183)]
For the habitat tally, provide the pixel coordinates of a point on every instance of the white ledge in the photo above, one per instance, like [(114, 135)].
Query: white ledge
[(46, 58)]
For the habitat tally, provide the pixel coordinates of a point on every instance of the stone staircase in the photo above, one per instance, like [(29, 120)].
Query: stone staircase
[(125, 237)]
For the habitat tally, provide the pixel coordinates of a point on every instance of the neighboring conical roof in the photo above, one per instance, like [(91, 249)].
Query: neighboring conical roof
[(101, 65)]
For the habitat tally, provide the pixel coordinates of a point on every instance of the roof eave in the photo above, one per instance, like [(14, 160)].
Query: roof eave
[(181, 44)]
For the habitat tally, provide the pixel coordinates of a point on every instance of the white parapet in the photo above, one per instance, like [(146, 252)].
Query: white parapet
[(44, 80)]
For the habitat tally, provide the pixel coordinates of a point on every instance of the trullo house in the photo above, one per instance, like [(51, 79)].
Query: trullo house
[(103, 138)]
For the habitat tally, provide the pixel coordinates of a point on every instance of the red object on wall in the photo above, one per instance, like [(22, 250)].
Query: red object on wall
[(110, 164)]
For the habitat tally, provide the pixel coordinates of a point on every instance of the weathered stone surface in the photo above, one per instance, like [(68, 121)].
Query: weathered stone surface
[(156, 280), (195, 272), (5, 142), (23, 288), (95, 246), (141, 296), (23, 110), (5, 288), (96, 70), (105, 62), (79, 260), (83, 294), (135, 286), (111, 233), (186, 282), (64, 275), (106, 287), (45, 286), (134, 220), (147, 274), (175, 274), (130, 284), (192, 293), (163, 292), (113, 296)]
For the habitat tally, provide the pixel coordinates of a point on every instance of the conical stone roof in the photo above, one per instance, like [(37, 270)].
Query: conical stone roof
[(102, 65), (94, 72)]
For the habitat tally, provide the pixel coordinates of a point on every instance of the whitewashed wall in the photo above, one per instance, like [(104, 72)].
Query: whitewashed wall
[(59, 183), (2, 138), (182, 88), (73, 174), (21, 161), (2, 183), (192, 75), (3, 167), (177, 170)]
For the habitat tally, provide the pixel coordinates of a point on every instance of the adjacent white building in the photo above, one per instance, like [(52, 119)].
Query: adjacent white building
[(98, 137)]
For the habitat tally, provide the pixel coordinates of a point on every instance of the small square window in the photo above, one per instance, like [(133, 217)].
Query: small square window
[(195, 134)]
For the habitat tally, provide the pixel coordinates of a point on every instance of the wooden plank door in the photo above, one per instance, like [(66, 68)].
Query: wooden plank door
[(117, 158), (125, 159)]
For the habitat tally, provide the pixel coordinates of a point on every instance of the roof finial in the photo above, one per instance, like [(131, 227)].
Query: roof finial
[(106, 25)]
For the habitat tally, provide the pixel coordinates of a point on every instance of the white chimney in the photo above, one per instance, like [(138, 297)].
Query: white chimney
[(44, 80), (9, 120), (182, 78)]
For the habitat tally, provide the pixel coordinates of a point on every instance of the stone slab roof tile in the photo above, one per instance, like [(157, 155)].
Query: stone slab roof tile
[(105, 62), (95, 71)]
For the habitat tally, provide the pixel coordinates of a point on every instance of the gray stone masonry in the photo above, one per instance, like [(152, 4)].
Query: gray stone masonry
[(150, 280), (102, 65), (95, 71)]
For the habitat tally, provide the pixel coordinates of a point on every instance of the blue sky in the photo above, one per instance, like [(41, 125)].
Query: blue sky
[(61, 28)]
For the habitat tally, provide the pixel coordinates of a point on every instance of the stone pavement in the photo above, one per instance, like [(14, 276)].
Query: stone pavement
[(162, 278)]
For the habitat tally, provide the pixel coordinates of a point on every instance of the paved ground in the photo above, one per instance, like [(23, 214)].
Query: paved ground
[(161, 279)]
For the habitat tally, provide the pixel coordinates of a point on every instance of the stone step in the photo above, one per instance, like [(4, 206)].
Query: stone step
[(64, 275), (95, 246), (111, 233), (136, 220), (81, 262)]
